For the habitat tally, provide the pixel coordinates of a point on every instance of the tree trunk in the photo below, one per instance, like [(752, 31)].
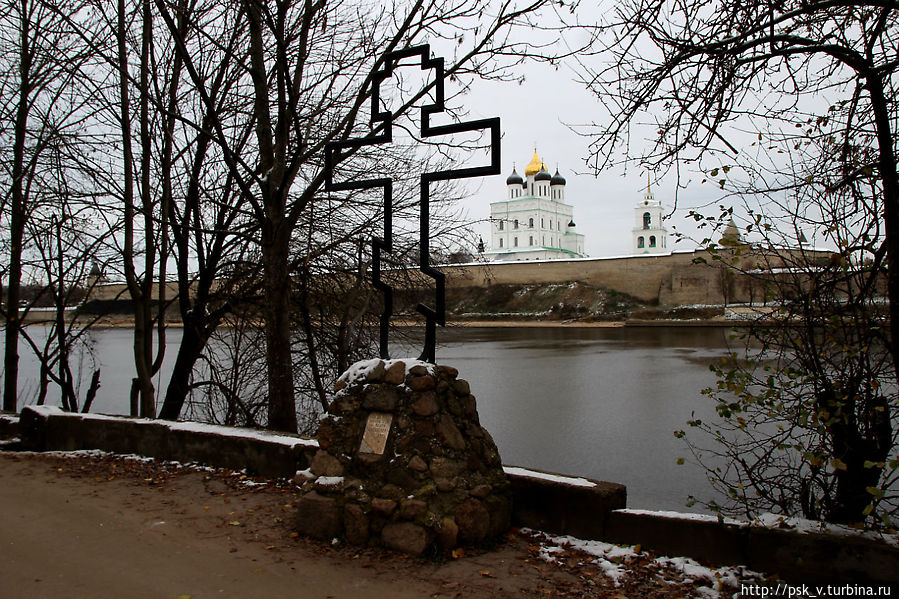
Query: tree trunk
[(890, 179), (193, 341), (17, 225), (282, 415)]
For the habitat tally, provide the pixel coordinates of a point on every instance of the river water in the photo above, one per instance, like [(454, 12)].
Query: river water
[(595, 402)]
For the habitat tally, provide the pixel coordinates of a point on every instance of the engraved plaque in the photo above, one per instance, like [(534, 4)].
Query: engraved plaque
[(377, 428)]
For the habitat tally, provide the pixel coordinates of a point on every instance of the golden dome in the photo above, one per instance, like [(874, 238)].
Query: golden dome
[(533, 166)]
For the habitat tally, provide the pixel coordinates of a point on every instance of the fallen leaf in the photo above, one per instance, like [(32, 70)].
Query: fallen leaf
[(234, 523)]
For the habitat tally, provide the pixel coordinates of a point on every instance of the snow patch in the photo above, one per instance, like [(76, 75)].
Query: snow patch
[(804, 526), (362, 369), (556, 478), (614, 559), (684, 516)]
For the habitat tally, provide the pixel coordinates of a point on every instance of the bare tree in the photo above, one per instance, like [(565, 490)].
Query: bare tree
[(307, 71), (775, 102), (41, 111)]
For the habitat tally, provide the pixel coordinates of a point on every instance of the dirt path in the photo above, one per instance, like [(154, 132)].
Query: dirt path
[(109, 526)]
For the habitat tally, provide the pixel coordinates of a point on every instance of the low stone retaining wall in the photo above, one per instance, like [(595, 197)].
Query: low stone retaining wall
[(794, 555), (45, 428)]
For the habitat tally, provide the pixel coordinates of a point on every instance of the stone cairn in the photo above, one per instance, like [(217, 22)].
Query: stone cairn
[(404, 462)]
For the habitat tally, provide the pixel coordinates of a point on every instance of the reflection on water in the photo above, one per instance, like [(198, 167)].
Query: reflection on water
[(597, 402)]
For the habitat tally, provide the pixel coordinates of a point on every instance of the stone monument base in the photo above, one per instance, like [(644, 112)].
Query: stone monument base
[(404, 462)]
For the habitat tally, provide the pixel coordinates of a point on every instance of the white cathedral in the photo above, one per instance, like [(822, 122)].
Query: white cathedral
[(535, 223)]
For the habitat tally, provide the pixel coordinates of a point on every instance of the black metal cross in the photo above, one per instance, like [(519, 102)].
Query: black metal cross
[(383, 133)]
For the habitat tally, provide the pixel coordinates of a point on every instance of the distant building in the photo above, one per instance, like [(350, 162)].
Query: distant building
[(650, 237), (534, 222)]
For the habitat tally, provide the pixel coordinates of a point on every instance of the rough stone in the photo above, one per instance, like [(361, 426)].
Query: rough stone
[(355, 523), (421, 383), (473, 521), (461, 387), (402, 478), (319, 517), (447, 533), (449, 434), (418, 370), (500, 514), (391, 491), (446, 468), (369, 459), (481, 491), (449, 371), (302, 477), (324, 464), (384, 507), (382, 398), (418, 464), (445, 485), (327, 434), (412, 509), (425, 404), (376, 374), (405, 537), (425, 428), (395, 374), (340, 384), (343, 405)]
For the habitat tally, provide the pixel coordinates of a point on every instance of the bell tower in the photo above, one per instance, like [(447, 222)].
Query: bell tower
[(649, 236)]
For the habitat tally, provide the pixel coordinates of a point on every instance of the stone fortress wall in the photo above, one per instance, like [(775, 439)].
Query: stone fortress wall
[(682, 278), (678, 279)]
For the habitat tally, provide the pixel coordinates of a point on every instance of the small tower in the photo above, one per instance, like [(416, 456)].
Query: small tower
[(557, 187), (649, 236), (515, 184)]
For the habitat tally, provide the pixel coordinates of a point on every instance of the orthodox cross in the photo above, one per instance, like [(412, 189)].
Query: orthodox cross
[(382, 123)]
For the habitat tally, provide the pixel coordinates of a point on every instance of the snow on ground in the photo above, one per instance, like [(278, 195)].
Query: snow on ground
[(615, 561)]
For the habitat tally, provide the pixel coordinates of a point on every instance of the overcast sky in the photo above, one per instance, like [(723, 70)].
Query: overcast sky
[(539, 112)]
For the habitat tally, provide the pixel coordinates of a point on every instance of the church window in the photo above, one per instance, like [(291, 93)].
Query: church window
[(652, 241), (550, 225), (516, 242), (530, 240), (640, 242), (516, 223), (531, 223), (500, 243), (542, 224), (647, 219)]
